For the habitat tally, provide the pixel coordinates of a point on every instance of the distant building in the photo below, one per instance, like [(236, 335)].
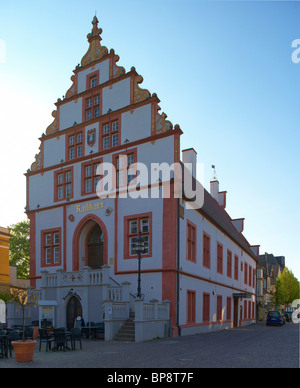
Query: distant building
[(269, 268)]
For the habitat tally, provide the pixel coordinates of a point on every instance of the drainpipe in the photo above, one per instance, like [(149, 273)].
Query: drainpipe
[(178, 267)]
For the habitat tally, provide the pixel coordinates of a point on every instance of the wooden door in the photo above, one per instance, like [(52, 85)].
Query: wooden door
[(74, 310), (95, 248)]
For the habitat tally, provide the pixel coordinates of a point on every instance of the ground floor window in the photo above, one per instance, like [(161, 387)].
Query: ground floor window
[(132, 226), (191, 306)]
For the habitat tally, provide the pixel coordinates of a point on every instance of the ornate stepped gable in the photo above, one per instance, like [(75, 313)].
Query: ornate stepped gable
[(96, 53)]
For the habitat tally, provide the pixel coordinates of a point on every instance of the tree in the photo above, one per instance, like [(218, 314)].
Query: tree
[(19, 248), (287, 287), (23, 300)]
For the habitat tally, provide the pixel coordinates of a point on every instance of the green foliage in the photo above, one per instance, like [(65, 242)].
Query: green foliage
[(19, 248), (287, 288)]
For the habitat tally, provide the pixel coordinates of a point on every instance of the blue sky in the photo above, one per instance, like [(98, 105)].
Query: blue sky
[(222, 70)]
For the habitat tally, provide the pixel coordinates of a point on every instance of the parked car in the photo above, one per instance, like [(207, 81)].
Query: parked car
[(274, 318), (288, 316)]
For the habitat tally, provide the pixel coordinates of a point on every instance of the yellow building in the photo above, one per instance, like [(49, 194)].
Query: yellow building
[(4, 259)]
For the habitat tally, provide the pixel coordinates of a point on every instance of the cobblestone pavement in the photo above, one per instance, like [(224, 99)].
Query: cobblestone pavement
[(255, 346)]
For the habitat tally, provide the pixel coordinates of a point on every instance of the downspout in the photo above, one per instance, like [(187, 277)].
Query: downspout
[(178, 268)]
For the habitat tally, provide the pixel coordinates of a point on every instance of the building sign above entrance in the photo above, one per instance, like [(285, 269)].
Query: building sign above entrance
[(242, 295), (89, 207)]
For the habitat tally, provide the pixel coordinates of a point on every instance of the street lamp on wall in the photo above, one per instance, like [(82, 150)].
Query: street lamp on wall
[(139, 248)]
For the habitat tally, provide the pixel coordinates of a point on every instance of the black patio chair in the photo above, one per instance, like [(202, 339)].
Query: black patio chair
[(46, 338), (76, 336), (61, 340), (14, 335), (29, 333), (3, 346)]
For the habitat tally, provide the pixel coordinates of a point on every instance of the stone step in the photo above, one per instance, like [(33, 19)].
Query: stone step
[(127, 331)]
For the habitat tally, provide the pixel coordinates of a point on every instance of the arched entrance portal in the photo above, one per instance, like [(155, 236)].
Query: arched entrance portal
[(90, 243), (95, 248), (74, 310)]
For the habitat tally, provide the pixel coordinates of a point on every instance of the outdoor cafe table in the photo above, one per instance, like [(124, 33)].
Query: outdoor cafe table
[(91, 330)]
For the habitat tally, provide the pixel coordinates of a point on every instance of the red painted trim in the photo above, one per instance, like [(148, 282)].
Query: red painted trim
[(127, 235), (93, 176), (109, 120), (229, 263), (116, 234), (206, 251), (219, 309), (169, 254), (32, 243), (93, 106), (121, 148), (190, 307), (64, 184), (90, 76), (76, 237), (206, 307), (65, 239), (52, 231), (219, 258), (191, 241)]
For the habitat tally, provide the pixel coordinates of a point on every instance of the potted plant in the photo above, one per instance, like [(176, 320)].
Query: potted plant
[(23, 349)]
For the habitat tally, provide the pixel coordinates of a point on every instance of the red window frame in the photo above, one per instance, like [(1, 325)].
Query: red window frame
[(93, 107), (191, 307), (90, 77), (132, 153), (79, 141), (206, 307), (236, 267), (110, 125), (128, 235), (246, 273), (219, 258), (51, 245), (93, 177), (245, 309), (229, 263), (206, 250), (191, 242), (63, 183), (228, 308), (250, 275), (219, 307)]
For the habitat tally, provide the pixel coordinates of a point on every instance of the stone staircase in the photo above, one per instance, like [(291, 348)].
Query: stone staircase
[(127, 331)]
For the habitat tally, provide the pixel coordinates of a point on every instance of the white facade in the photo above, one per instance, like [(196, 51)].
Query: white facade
[(74, 232)]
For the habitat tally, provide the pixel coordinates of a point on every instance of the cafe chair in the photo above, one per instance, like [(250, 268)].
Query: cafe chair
[(45, 337), (61, 340), (76, 336)]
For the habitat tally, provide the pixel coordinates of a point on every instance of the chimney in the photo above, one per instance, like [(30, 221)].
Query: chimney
[(190, 156), (214, 189)]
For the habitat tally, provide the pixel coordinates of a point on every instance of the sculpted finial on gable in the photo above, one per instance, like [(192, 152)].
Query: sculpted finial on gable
[(95, 51)]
